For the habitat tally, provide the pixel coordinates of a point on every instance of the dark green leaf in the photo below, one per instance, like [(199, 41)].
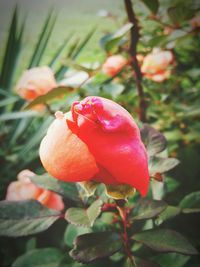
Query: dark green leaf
[(53, 94), (147, 208), (165, 240), (161, 165), (153, 5), (12, 51), (144, 263), (168, 259), (111, 41), (25, 218), (180, 13), (169, 213), (43, 257), (90, 247), (72, 231), (84, 217), (67, 190), (191, 203), (154, 141)]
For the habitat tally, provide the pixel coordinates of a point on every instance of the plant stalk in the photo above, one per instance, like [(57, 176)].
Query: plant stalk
[(134, 62)]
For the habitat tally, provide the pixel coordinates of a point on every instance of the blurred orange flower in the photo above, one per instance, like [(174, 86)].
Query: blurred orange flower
[(114, 64), (35, 82), (24, 189), (156, 65)]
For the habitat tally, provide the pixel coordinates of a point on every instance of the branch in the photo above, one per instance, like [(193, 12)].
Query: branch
[(134, 63)]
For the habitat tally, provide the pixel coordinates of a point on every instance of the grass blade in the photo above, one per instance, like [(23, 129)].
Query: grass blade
[(43, 40)]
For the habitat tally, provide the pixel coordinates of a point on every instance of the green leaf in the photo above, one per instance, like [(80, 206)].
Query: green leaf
[(72, 231), (51, 95), (191, 203), (110, 42), (113, 89), (161, 165), (90, 247), (59, 51), (154, 141), (18, 115), (147, 208), (169, 213), (25, 218), (165, 240), (180, 13), (67, 190), (43, 40), (153, 5), (43, 257), (84, 217), (9, 100), (171, 184), (168, 259), (143, 263), (74, 52), (12, 51), (121, 191)]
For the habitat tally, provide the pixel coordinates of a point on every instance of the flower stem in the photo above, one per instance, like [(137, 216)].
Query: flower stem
[(123, 212), (134, 63)]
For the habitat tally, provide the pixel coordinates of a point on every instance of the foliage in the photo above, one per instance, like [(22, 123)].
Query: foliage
[(110, 223)]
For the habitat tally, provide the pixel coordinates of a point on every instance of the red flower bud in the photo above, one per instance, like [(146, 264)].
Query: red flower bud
[(106, 142)]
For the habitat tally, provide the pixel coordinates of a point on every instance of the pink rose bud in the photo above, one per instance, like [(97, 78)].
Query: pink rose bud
[(155, 65), (35, 82), (24, 189), (114, 64), (99, 141)]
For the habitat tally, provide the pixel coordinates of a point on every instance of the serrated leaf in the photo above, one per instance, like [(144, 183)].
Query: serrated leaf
[(25, 218), (147, 208), (89, 187), (67, 190), (43, 257), (169, 213), (84, 217), (191, 203), (154, 141), (89, 247), (165, 240), (110, 41), (153, 5), (121, 191), (51, 95), (161, 165)]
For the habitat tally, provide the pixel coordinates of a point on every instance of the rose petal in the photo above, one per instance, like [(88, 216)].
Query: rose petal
[(113, 139), (64, 155)]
